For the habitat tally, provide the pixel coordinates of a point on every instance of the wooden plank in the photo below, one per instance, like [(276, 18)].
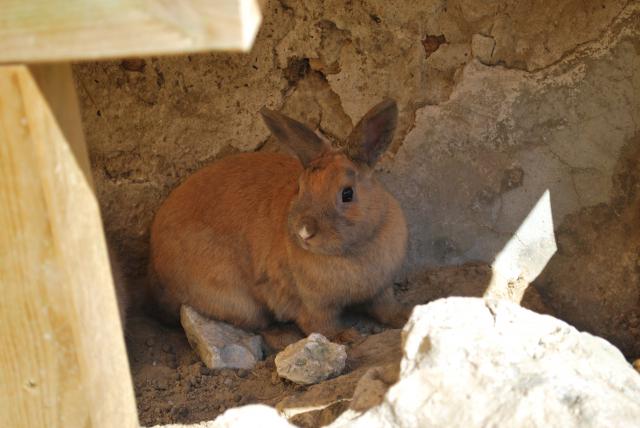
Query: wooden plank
[(66, 30), (62, 354)]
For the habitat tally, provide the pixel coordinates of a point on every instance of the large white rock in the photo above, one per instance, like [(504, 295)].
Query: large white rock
[(475, 363), (311, 360), (253, 415), (219, 344)]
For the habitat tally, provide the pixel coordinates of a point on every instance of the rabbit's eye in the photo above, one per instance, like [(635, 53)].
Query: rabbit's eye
[(347, 194)]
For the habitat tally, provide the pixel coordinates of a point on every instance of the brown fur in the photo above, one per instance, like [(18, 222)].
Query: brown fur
[(227, 240)]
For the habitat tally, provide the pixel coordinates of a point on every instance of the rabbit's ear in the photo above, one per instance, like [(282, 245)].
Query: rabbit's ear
[(303, 141), (373, 134)]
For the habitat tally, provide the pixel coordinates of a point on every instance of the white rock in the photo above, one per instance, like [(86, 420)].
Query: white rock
[(219, 344), (474, 363), (311, 360), (253, 415)]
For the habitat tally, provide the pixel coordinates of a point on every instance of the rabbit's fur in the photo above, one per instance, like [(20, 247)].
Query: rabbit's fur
[(229, 241)]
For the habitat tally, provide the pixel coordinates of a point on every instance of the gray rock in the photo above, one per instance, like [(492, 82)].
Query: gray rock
[(470, 362), (219, 344), (382, 350), (311, 360)]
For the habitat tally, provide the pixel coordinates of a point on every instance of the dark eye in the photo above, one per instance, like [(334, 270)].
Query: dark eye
[(347, 194)]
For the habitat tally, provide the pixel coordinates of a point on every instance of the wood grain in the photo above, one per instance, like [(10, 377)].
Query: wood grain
[(65, 30), (62, 355)]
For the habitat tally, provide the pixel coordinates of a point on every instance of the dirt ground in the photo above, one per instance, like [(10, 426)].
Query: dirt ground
[(173, 386)]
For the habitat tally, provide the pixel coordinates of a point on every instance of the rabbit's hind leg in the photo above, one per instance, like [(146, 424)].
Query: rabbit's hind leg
[(225, 297)]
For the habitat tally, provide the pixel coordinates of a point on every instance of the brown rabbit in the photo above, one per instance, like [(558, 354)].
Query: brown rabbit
[(260, 236)]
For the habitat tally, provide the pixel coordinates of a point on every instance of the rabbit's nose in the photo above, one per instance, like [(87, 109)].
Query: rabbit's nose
[(308, 228)]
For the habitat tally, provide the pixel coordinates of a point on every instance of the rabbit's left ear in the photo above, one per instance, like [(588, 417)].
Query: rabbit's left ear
[(373, 134), (302, 140)]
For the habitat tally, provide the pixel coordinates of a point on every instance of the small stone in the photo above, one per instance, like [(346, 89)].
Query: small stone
[(228, 381), (311, 360), (150, 342), (482, 47), (162, 384), (167, 348), (219, 344), (636, 365), (275, 379), (237, 398), (242, 373)]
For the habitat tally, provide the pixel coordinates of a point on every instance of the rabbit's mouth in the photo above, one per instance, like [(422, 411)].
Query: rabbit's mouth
[(309, 244), (304, 244), (319, 246)]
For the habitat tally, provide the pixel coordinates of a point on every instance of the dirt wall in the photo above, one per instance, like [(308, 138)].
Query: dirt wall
[(500, 102)]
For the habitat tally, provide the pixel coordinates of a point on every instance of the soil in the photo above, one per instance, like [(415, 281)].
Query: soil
[(173, 386)]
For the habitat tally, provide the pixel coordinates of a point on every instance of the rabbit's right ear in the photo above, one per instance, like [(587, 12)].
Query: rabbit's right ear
[(303, 141), (373, 134)]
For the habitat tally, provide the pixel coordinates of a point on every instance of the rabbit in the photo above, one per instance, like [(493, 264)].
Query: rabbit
[(257, 237)]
